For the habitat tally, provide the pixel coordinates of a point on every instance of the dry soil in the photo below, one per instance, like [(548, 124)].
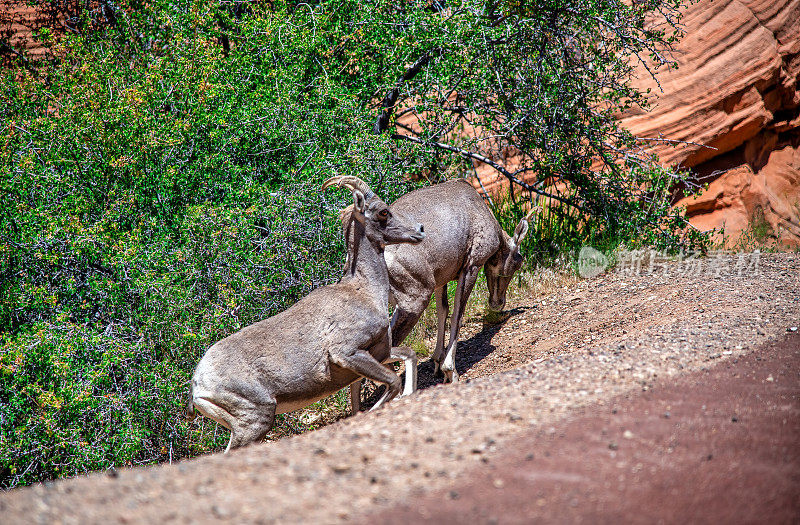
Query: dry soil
[(612, 341)]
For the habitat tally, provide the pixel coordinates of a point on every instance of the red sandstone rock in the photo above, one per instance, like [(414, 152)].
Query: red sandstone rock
[(736, 91), (18, 22), (739, 199)]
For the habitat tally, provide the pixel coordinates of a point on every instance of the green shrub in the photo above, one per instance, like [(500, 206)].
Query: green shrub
[(159, 190), (70, 402)]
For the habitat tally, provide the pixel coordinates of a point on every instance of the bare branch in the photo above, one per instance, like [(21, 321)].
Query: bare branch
[(480, 158), (389, 101)]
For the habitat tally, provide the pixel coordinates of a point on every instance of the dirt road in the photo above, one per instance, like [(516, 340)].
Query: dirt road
[(715, 446), (578, 353)]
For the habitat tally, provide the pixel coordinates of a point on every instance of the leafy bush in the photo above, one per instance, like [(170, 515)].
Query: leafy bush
[(159, 175)]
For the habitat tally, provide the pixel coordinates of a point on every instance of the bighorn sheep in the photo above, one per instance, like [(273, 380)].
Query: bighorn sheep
[(462, 236), (324, 342)]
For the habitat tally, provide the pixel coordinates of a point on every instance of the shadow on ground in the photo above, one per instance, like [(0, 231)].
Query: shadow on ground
[(468, 353)]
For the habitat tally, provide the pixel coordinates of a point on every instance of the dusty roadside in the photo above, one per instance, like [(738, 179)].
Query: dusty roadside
[(585, 345), (715, 446)]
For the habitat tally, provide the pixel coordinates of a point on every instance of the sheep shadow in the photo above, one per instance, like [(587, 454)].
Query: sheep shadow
[(468, 353)]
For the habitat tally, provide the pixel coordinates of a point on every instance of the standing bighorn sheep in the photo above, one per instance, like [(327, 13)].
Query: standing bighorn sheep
[(462, 236), (324, 342)]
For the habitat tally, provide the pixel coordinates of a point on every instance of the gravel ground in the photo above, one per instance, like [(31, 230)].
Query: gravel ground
[(587, 344), (714, 446)]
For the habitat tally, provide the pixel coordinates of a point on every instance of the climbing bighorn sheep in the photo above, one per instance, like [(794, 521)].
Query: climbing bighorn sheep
[(462, 236), (324, 342)]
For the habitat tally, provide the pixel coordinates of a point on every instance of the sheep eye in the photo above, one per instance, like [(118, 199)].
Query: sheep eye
[(383, 214)]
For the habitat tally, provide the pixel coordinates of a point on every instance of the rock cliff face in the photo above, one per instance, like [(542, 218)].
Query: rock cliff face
[(734, 99), (22, 20)]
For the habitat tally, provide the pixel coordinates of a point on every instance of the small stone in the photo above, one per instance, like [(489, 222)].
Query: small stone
[(770, 379), (734, 419), (666, 415), (613, 446), (498, 483), (453, 494), (220, 512), (792, 328), (340, 469), (111, 472), (627, 434)]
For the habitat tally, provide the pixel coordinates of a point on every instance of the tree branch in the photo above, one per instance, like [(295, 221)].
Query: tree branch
[(389, 101), (480, 158)]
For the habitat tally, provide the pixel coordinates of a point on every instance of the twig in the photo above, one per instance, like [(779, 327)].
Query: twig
[(389, 101), (485, 193), (675, 141), (480, 158)]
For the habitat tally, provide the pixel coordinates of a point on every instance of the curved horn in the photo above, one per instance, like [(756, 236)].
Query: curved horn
[(533, 210), (350, 182)]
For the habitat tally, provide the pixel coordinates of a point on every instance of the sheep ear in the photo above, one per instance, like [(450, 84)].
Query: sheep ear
[(524, 225), (359, 201), (520, 232)]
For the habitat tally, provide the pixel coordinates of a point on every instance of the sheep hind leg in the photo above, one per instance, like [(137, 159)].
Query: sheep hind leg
[(442, 311), (355, 396), (251, 425)]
